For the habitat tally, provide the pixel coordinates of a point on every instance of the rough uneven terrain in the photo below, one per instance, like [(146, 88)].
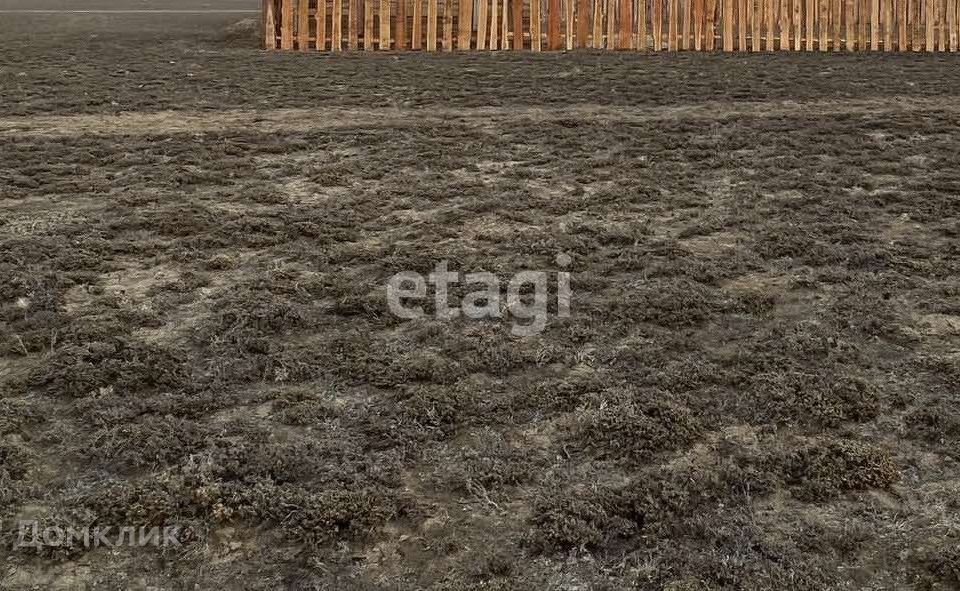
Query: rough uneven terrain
[(757, 388)]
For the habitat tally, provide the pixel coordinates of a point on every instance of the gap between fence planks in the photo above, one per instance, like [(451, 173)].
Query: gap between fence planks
[(737, 25)]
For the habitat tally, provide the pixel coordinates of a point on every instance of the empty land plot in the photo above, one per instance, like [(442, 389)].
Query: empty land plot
[(756, 387)]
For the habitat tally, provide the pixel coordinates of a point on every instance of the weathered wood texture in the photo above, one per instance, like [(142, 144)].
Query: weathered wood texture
[(730, 25)]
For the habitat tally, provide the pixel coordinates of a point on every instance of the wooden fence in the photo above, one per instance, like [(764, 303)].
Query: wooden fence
[(655, 25)]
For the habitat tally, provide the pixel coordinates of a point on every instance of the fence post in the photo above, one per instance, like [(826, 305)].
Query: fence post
[(465, 25), (286, 25), (269, 25), (952, 23), (321, 18)]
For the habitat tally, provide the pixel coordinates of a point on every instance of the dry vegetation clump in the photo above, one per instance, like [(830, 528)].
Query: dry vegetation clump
[(15, 463), (118, 364), (937, 421), (633, 424), (654, 506), (794, 397), (151, 442), (823, 470)]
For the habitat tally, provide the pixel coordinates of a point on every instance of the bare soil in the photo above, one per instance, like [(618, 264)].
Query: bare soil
[(757, 388)]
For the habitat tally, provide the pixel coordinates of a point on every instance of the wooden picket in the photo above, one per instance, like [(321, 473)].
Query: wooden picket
[(432, 25), (320, 39), (353, 24), (729, 25), (447, 25), (583, 24)]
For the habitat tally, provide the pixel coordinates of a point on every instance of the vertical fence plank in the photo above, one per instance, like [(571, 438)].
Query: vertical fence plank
[(942, 38), (952, 23), (929, 21), (887, 25), (755, 13), (932, 7), (853, 40), (945, 24), (695, 14), (823, 15), (400, 30), (482, 8), (698, 20), (553, 25), (673, 25), (833, 7), (710, 27), (353, 12), (447, 25), (942, 24), (321, 18), (583, 23), (901, 25), (517, 24), (432, 25), (953, 16), (668, 12), (687, 14), (626, 24), (742, 25), (505, 25), (901, 14), (493, 25), (597, 25), (303, 25), (384, 25), (368, 25), (853, 43), (611, 24), (726, 16), (416, 31), (878, 21), (535, 19), (863, 9), (825, 24), (917, 27), (656, 24), (797, 25), (810, 31), (505, 16), (874, 25), (465, 25), (642, 19), (849, 16), (785, 25), (336, 26), (770, 10), (938, 24), (795, 8), (269, 26), (836, 11), (286, 25)]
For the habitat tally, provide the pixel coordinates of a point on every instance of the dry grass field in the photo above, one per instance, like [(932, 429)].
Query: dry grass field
[(757, 387)]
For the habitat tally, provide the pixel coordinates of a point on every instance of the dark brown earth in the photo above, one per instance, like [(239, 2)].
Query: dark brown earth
[(757, 389)]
